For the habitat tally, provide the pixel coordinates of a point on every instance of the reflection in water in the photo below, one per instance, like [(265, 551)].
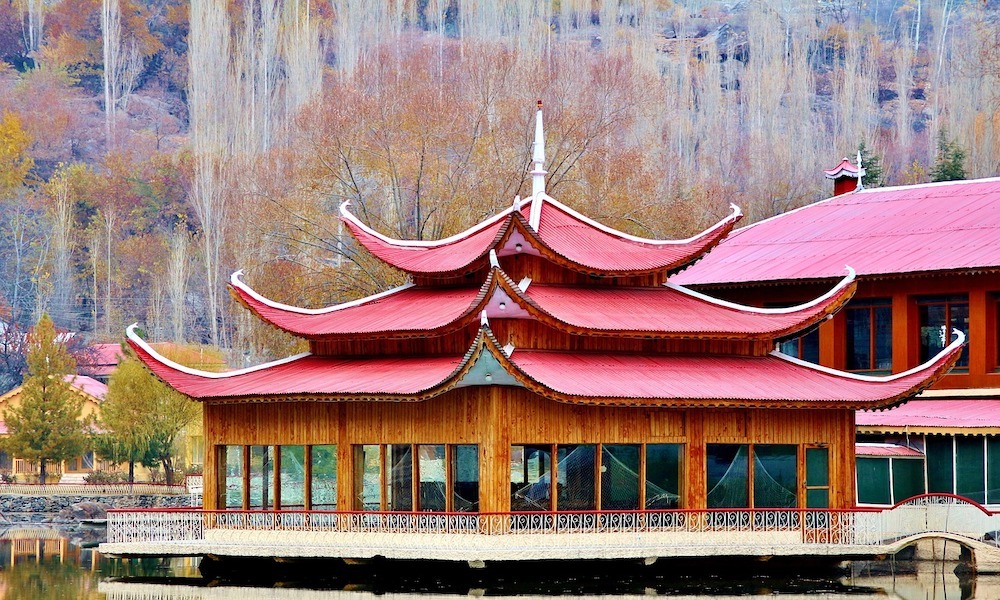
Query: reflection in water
[(43, 564)]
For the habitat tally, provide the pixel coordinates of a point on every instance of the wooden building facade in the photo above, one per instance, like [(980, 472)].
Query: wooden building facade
[(538, 362)]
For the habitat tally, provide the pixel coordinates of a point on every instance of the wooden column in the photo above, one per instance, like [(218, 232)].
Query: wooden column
[(694, 476), (978, 306)]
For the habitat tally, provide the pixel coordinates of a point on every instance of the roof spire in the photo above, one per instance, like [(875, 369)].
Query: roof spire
[(861, 172), (538, 172)]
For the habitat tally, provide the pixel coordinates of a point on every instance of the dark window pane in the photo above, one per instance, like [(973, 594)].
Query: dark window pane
[(431, 467), (859, 338), (324, 478), (873, 481), (810, 346), (970, 477), (728, 473), (530, 478), (399, 486), (907, 478), (663, 475), (993, 469), (465, 471), (938, 316), (367, 477), (292, 477), (260, 477), (883, 339), (818, 498), (940, 466), (817, 467), (231, 492), (775, 484), (577, 477), (619, 477)]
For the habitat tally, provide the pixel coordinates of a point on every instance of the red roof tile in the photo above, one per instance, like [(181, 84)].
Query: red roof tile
[(562, 231), (668, 311), (883, 231), (635, 380), (948, 414)]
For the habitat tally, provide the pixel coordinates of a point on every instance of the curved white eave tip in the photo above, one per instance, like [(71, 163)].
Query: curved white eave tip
[(834, 291), (131, 334), (955, 344), (347, 215), (236, 281)]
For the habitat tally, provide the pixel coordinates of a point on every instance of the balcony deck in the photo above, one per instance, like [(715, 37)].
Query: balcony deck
[(475, 537)]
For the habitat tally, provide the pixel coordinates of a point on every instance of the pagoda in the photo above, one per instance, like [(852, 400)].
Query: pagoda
[(538, 362)]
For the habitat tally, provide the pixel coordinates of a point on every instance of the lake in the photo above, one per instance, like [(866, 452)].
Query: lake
[(42, 563)]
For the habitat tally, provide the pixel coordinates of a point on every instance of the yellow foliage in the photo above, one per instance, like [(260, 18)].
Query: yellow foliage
[(14, 159)]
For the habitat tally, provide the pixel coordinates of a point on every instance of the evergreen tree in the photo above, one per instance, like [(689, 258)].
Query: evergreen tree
[(143, 418), (950, 163), (872, 163), (46, 425)]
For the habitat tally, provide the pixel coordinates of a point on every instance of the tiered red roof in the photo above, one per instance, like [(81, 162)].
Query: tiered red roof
[(596, 318), (709, 378)]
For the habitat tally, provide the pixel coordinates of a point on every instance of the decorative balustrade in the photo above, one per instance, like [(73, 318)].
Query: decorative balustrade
[(861, 526)]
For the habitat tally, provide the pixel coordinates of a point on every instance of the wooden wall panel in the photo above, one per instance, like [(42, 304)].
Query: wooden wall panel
[(497, 417)]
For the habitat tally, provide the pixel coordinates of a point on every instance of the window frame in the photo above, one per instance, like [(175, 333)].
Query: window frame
[(869, 306)]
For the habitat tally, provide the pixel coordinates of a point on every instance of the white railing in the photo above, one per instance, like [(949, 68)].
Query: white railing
[(863, 526), (91, 489)]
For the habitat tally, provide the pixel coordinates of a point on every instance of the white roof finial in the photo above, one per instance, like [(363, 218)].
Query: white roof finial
[(538, 172), (861, 172)]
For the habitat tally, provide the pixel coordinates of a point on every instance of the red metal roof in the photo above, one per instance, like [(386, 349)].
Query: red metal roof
[(562, 231), (885, 450), (636, 380), (883, 231), (750, 381), (307, 375), (667, 311), (950, 414)]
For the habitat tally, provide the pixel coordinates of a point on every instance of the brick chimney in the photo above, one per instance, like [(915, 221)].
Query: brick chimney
[(846, 176)]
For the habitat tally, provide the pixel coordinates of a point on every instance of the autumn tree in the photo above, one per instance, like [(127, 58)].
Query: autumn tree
[(14, 159), (46, 425), (143, 418)]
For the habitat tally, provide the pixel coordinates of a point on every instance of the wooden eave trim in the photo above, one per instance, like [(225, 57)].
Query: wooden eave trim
[(926, 430)]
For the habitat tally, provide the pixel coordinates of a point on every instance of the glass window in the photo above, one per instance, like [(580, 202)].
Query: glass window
[(619, 477), (231, 486), (938, 316), (970, 468), (431, 467), (261, 471), (577, 482), (465, 478), (817, 478), (292, 477), (663, 476), (938, 452), (907, 478), (367, 477), (873, 481), (399, 484), (993, 469), (324, 478), (869, 336), (531, 478), (775, 480), (728, 476), (805, 347)]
